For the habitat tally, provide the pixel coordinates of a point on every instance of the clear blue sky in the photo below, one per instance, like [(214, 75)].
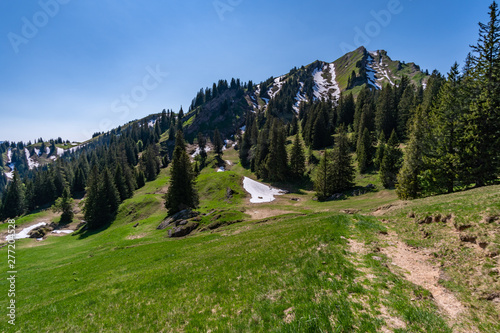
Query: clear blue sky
[(67, 66)]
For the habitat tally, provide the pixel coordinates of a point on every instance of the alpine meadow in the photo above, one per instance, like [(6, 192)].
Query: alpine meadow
[(357, 195)]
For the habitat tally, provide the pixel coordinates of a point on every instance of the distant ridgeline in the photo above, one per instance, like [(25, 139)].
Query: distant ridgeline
[(363, 103)]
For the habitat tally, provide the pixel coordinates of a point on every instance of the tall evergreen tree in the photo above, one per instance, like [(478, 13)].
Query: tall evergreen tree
[(218, 143), (363, 150), (64, 205), (297, 158), (391, 162), (379, 154), (181, 193), (408, 186), (277, 159), (323, 182), (444, 156), (343, 171), (13, 204), (482, 130)]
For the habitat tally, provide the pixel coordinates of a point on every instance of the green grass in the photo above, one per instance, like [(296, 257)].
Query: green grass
[(294, 272)]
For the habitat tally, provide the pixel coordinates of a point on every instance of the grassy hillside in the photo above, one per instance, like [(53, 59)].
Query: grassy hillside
[(287, 266)]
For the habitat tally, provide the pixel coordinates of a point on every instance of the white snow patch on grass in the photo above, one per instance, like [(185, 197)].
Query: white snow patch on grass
[(24, 233), (260, 192), (59, 151), (62, 231), (221, 169), (10, 175), (31, 162), (323, 87)]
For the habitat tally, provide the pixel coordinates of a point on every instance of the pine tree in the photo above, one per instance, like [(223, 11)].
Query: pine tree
[(447, 121), (385, 113), (102, 199), (343, 171), (408, 185), (297, 158), (482, 131), (181, 193), (121, 184), (391, 162), (13, 203), (277, 159), (218, 143), (363, 150), (64, 205), (379, 154), (323, 181)]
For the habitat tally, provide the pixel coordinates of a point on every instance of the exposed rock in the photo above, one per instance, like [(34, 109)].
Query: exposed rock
[(462, 227), (295, 199), (468, 238), (483, 244), (437, 218), (182, 215), (370, 186), (184, 230), (336, 196), (411, 215), (136, 225), (181, 222), (40, 232), (216, 217), (229, 193)]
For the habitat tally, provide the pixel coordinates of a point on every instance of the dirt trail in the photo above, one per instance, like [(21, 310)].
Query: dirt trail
[(420, 272)]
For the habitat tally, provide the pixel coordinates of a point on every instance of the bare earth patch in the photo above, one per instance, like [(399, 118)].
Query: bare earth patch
[(262, 213), (420, 272)]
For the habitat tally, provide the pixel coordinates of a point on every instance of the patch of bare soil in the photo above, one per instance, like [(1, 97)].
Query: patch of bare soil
[(262, 213), (420, 271), (388, 208)]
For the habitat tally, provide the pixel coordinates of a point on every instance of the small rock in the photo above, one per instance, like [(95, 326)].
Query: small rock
[(229, 193), (295, 199), (377, 258), (411, 215), (136, 225), (468, 238), (383, 232), (483, 244), (437, 218), (183, 230), (426, 220)]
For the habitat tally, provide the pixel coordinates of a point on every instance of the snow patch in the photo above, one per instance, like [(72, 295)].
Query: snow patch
[(197, 151), (62, 231), (10, 175), (31, 162), (59, 151), (221, 169), (375, 70), (24, 233), (260, 192), (324, 88)]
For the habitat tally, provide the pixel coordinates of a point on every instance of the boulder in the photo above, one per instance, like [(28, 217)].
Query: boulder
[(40, 232), (182, 215), (229, 193), (183, 230)]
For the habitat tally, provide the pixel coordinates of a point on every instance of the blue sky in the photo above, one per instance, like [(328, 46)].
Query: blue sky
[(70, 68)]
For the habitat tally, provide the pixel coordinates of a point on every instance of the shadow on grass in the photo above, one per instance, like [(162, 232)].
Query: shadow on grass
[(84, 232)]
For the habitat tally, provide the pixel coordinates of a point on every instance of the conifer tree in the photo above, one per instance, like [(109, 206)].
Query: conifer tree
[(408, 186), (379, 154), (102, 199), (323, 182), (482, 130), (121, 184), (385, 112), (277, 159), (391, 162), (343, 171), (447, 120), (297, 158), (64, 205), (363, 150), (181, 193), (13, 201), (218, 143)]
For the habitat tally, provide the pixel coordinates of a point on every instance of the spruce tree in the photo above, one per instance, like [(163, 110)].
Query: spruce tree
[(64, 205), (121, 184), (444, 156), (297, 158), (408, 185), (343, 171), (391, 162), (379, 154), (181, 193), (13, 201), (323, 181), (277, 159), (218, 143), (482, 130), (363, 150)]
